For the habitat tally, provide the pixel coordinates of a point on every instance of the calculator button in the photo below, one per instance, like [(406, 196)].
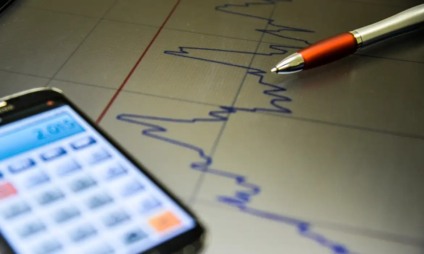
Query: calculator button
[(31, 229), (21, 165), (98, 156), (132, 188), (7, 190), (51, 246), (116, 218), (68, 167), (149, 204), (134, 236), (37, 179), (83, 232), (16, 210), (50, 196), (164, 221), (66, 214), (99, 200), (101, 249), (115, 171), (53, 154), (83, 184), (83, 143)]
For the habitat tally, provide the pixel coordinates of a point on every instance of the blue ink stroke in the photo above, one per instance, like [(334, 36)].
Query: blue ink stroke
[(277, 29), (247, 190)]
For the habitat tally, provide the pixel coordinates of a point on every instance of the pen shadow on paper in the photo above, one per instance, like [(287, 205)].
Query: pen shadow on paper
[(342, 71)]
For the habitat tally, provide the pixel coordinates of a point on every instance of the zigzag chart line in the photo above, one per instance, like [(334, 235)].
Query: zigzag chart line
[(247, 189)]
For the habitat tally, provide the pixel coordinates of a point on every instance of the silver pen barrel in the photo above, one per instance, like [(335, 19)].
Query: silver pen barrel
[(390, 26)]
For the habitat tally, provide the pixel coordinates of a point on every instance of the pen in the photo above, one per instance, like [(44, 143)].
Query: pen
[(344, 44)]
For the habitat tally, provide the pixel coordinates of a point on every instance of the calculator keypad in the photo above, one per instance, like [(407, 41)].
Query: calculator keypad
[(79, 195)]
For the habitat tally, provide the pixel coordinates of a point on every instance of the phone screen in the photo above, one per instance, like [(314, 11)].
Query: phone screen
[(65, 188)]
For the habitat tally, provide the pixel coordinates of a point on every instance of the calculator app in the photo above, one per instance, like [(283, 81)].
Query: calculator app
[(66, 189)]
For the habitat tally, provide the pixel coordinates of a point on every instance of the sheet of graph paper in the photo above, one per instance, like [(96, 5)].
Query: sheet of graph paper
[(329, 160)]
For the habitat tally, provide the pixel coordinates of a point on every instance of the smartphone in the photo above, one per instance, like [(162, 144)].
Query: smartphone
[(68, 187)]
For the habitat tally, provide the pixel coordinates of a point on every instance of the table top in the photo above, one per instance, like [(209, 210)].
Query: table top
[(329, 160)]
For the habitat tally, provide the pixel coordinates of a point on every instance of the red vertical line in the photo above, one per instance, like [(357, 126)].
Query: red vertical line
[(118, 91)]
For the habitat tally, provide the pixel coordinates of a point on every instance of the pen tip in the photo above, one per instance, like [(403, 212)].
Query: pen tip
[(274, 70)]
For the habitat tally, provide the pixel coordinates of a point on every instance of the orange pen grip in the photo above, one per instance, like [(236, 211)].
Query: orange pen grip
[(328, 50)]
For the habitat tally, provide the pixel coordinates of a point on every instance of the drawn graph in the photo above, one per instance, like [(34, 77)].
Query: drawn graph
[(247, 189), (278, 102)]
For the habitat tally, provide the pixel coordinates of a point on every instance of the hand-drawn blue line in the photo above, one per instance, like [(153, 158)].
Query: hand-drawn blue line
[(273, 91), (241, 198), (270, 22), (225, 8)]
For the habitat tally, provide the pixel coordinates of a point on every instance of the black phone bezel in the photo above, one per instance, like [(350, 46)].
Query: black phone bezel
[(34, 101)]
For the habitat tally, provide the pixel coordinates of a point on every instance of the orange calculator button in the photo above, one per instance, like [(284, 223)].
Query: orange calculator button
[(7, 190), (164, 221)]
